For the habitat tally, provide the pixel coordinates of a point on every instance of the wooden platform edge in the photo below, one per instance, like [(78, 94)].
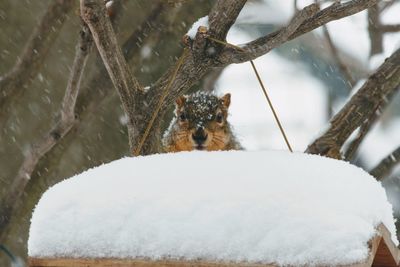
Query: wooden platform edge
[(387, 250), (108, 262), (383, 252)]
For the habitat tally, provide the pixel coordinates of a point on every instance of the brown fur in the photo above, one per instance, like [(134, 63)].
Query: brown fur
[(201, 111)]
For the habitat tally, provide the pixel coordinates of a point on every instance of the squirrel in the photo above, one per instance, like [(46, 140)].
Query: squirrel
[(200, 123)]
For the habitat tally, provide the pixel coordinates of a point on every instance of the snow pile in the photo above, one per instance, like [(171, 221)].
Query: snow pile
[(267, 207)]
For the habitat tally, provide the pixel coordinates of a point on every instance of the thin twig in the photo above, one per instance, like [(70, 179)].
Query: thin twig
[(386, 5), (264, 91), (62, 127), (295, 6), (385, 167), (375, 34), (389, 28), (272, 107)]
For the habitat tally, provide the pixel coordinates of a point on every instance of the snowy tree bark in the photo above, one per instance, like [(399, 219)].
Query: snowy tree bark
[(359, 108)]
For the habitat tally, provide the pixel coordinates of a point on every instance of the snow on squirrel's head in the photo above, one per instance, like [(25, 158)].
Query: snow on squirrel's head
[(201, 120)]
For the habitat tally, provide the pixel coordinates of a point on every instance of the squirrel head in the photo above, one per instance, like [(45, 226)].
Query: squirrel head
[(202, 124)]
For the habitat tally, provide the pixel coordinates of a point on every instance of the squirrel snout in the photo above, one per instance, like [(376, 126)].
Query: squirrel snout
[(199, 136)]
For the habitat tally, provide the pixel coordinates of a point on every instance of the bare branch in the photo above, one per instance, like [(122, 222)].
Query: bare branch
[(364, 129), (386, 5), (222, 16), (390, 28), (100, 85), (295, 7), (375, 34), (93, 12), (28, 64), (312, 21), (335, 53), (366, 126), (62, 127), (385, 167), (359, 108)]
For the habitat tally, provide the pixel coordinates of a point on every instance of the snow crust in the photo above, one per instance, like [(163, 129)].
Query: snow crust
[(268, 206)]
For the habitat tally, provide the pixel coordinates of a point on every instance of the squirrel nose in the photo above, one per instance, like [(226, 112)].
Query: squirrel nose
[(199, 136)]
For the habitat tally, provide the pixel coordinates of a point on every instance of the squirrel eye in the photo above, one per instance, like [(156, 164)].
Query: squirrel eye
[(219, 117), (182, 117)]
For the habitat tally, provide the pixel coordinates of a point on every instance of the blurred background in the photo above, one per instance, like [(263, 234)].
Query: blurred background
[(305, 79)]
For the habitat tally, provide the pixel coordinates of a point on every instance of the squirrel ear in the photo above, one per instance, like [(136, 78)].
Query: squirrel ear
[(180, 101), (226, 100)]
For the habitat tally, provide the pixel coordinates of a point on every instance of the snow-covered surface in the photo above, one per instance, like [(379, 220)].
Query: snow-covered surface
[(234, 206), (200, 22)]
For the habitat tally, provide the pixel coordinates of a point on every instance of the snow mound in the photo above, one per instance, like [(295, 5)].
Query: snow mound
[(271, 207)]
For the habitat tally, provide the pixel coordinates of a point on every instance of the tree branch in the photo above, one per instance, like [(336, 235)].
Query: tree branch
[(335, 54), (359, 108), (99, 88), (93, 12), (264, 44), (222, 16), (190, 72), (385, 167), (62, 127), (366, 126), (375, 34), (364, 129), (387, 4), (28, 63), (390, 28), (92, 100)]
